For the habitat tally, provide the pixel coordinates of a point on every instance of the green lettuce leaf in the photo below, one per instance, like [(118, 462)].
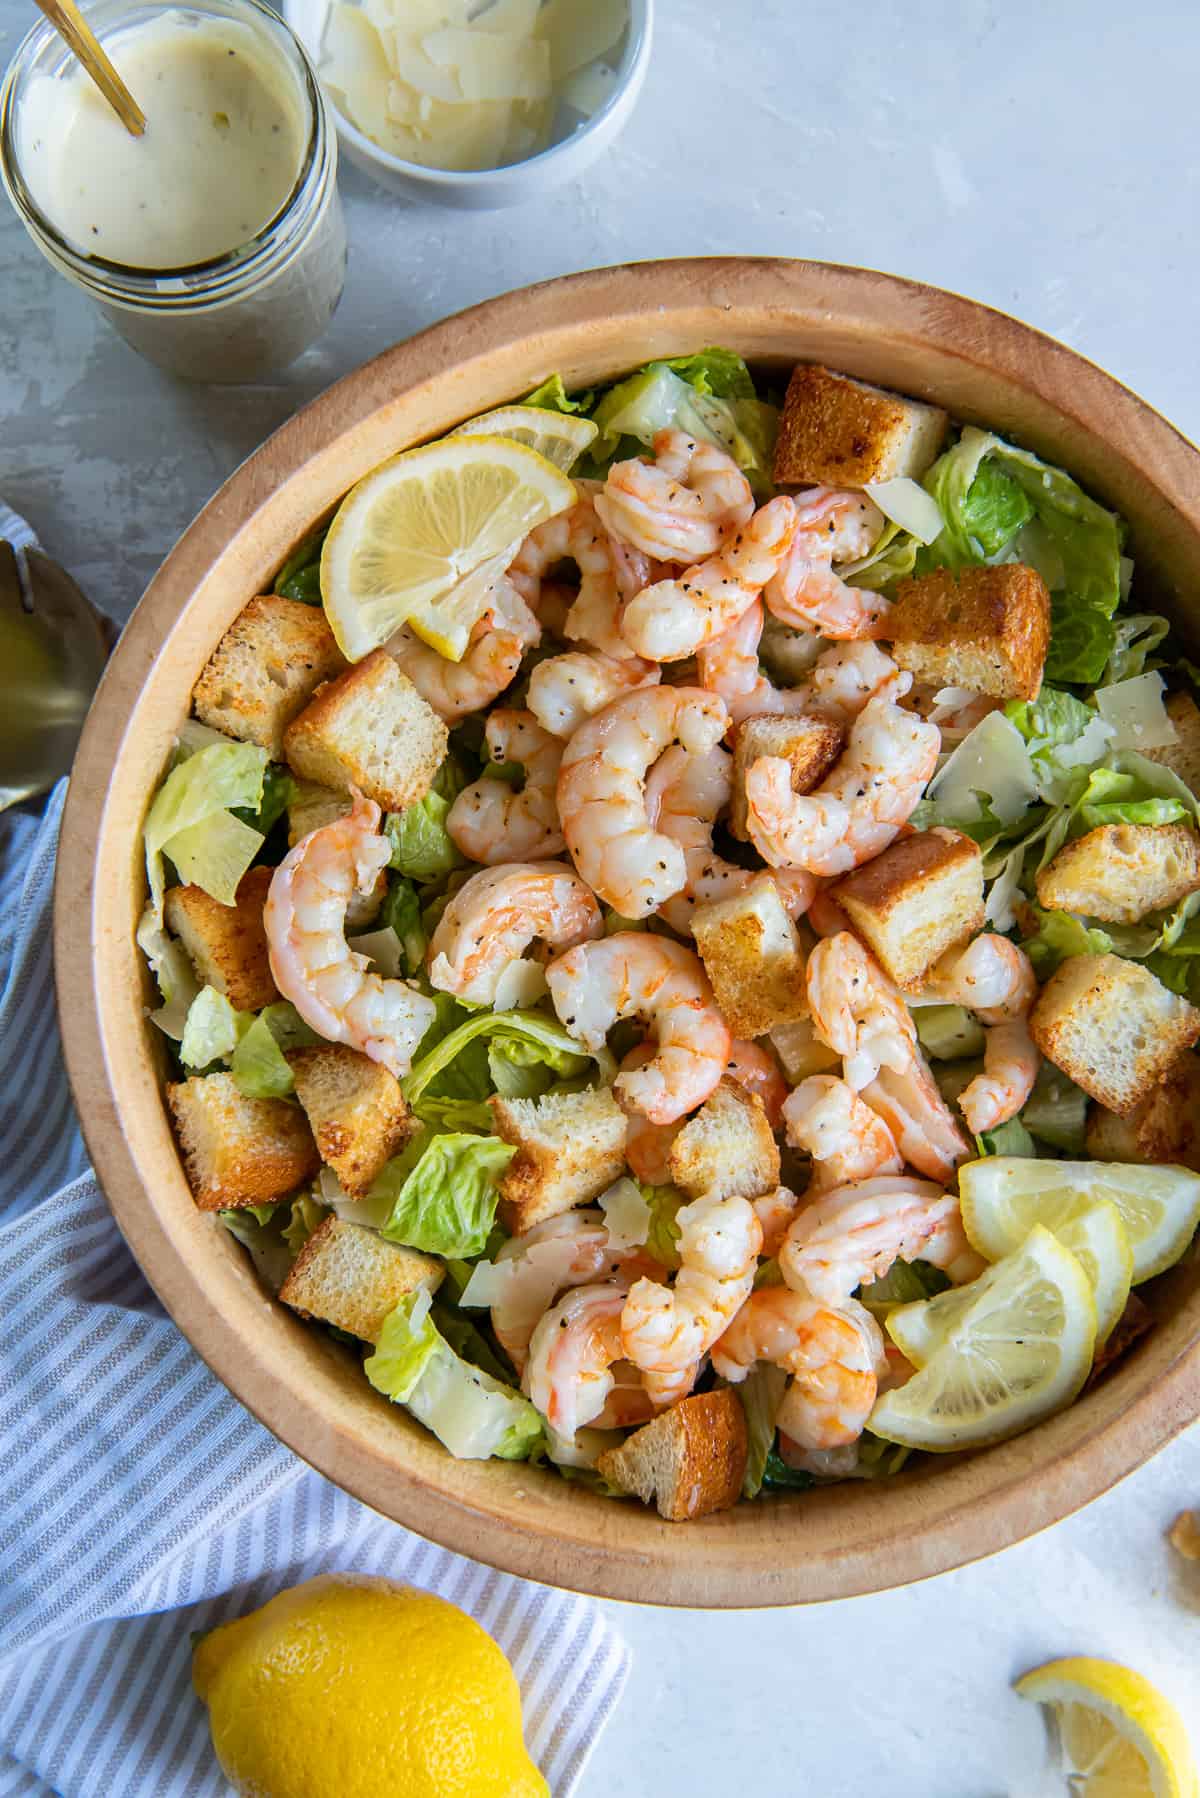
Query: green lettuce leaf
[(258, 1229), (446, 1203), (190, 819), (716, 371), (212, 1029), (523, 1069), (777, 1476), (552, 396), (947, 1032), (761, 1393), (1056, 1110), (258, 1065), (402, 913), (1060, 934), (468, 1341), (904, 1284), (710, 396), (471, 1413), (304, 1216), (171, 966), (300, 576), (278, 792), (421, 844), (891, 558), (1011, 1138), (1135, 639), (425, 1085), (662, 1236)]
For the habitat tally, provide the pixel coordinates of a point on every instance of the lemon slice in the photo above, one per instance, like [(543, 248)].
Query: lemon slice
[(1120, 1736), (559, 436), (1019, 1349), (1159, 1206), (998, 1220), (404, 541)]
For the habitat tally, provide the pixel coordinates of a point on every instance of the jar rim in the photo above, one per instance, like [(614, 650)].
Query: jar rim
[(200, 282)]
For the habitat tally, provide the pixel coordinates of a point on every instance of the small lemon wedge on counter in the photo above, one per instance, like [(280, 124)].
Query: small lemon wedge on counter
[(351, 1686), (1120, 1737), (1004, 1194), (406, 540), (561, 437), (1019, 1346)]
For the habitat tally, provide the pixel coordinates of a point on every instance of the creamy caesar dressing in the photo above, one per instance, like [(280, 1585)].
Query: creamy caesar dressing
[(226, 132)]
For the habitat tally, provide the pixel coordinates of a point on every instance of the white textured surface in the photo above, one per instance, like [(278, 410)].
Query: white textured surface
[(1043, 158)]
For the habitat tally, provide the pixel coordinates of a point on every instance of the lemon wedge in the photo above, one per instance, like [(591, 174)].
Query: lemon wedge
[(405, 542), (1120, 1737), (998, 1220), (1018, 1346), (1159, 1206), (559, 436)]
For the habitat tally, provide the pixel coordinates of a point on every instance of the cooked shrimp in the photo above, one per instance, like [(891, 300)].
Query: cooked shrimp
[(757, 1072), (830, 527), (495, 916), (648, 1146), (634, 974), (491, 662), (775, 1211), (561, 1252), (665, 1330), (602, 797), (859, 807), (569, 1371), (847, 676), (856, 1010), (565, 690), (1010, 1067), (578, 536), (492, 821), (995, 979), (729, 665), (680, 506), (305, 921), (674, 618), (918, 1117), (834, 1355), (846, 1139), (851, 1236)]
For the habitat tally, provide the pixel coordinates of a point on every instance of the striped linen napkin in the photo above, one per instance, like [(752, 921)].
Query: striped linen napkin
[(138, 1500)]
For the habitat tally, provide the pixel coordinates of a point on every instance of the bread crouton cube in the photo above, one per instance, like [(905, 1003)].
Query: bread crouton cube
[(1112, 1027), (917, 899), (353, 1278), (753, 958), (810, 745), (239, 1151), (265, 669), (356, 1109), (1164, 1127), (1119, 872), (987, 629), (369, 729), (227, 943), (570, 1146), (838, 432), (691, 1461), (1183, 756), (727, 1148)]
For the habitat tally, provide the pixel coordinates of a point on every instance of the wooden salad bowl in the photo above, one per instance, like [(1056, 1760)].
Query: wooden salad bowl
[(831, 1543)]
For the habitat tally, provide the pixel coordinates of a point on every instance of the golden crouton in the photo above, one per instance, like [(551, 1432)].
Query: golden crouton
[(811, 745), (837, 432), (239, 1151), (727, 1148), (354, 1278), (265, 669), (753, 958), (227, 943), (917, 899), (570, 1146), (369, 729), (1112, 1027), (1183, 756), (1163, 1127), (691, 1460), (355, 1107), (983, 628), (1119, 872)]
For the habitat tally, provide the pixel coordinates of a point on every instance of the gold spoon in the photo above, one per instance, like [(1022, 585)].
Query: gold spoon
[(78, 35)]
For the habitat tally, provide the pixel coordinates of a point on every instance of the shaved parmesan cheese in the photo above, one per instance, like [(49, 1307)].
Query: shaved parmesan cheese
[(522, 983), (412, 63), (383, 949), (627, 1215), (355, 64), (578, 31), (514, 17), (907, 504), (488, 1285), (489, 67), (992, 759), (589, 88), (1135, 710)]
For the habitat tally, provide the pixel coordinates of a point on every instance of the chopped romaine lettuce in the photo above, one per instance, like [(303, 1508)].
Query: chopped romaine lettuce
[(425, 1084), (1011, 1138), (524, 1069), (1060, 934), (258, 1229), (761, 1393), (717, 371), (171, 966), (626, 1214), (662, 1232), (468, 1341), (304, 1216), (402, 913), (777, 1476), (287, 1026), (709, 395), (191, 821), (300, 576), (947, 1032), (279, 791), (904, 1283), (552, 396), (212, 1029), (421, 845), (891, 558), (258, 1065), (446, 1202), (1135, 638), (1056, 1110), (471, 1413)]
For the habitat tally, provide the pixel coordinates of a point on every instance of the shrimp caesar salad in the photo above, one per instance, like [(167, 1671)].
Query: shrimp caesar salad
[(677, 923)]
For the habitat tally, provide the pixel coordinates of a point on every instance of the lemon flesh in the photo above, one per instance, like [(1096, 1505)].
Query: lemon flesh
[(406, 540), (1019, 1347), (1119, 1736), (350, 1686), (561, 437), (1159, 1206), (997, 1221)]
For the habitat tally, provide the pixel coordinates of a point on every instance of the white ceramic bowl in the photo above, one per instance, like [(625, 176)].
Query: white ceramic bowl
[(483, 189)]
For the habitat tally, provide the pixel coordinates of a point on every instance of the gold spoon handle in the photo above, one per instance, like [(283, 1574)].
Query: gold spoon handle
[(74, 29)]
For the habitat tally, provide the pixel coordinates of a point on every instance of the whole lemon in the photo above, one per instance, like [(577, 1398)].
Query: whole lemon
[(352, 1686)]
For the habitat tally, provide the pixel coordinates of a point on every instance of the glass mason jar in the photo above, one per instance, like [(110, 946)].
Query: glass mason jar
[(245, 312)]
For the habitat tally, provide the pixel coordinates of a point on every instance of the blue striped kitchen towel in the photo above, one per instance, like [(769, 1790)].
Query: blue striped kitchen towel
[(138, 1500)]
